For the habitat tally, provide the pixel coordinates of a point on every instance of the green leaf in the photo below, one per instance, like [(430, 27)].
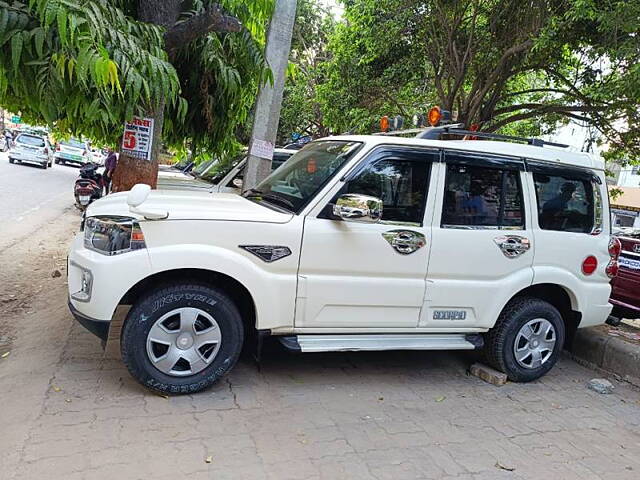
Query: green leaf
[(16, 49), (39, 41), (62, 26)]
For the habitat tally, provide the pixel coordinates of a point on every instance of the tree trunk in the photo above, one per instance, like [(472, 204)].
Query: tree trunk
[(129, 170)]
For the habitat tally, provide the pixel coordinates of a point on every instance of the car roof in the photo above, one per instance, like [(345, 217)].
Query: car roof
[(555, 155), (286, 151)]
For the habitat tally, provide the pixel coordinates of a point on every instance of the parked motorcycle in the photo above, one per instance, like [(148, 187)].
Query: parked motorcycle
[(88, 186)]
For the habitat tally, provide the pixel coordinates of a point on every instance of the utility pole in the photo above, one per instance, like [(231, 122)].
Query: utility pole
[(267, 113)]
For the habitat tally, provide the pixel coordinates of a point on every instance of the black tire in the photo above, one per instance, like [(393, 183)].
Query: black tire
[(57, 162), (10, 160), (43, 166), (162, 300), (500, 340)]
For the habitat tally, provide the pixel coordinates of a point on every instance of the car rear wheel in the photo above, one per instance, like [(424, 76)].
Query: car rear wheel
[(527, 339), (10, 160), (182, 338)]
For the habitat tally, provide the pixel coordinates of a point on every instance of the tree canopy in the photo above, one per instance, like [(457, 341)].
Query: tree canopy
[(301, 111), (85, 66), (520, 67)]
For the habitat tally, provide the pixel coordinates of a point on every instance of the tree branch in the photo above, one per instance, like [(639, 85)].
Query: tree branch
[(545, 109), (213, 19)]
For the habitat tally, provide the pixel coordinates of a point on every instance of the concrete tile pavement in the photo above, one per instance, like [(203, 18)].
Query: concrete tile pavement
[(369, 415)]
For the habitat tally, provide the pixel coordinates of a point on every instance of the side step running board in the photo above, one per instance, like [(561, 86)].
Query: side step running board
[(373, 342)]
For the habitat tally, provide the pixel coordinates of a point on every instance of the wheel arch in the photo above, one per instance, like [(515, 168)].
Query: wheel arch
[(561, 298), (232, 287)]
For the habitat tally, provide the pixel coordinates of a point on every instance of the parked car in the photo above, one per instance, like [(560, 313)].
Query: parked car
[(30, 148), (183, 166), (72, 151), (355, 243), (625, 294), (97, 156), (209, 177)]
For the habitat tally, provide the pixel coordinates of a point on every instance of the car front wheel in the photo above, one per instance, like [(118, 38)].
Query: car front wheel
[(182, 338), (527, 339)]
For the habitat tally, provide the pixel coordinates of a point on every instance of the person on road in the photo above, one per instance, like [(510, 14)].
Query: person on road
[(109, 167), (8, 138)]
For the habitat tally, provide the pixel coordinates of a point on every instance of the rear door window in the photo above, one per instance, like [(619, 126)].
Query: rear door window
[(566, 203), (481, 195)]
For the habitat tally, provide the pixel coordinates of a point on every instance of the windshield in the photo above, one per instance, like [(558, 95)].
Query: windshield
[(200, 169), (72, 143), (181, 164), (214, 175), (298, 180), (30, 140)]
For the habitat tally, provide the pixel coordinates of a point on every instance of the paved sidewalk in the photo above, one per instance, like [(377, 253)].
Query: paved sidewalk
[(68, 413), (392, 415)]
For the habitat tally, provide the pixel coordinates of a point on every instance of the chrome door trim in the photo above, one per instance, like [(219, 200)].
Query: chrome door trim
[(512, 246), (405, 242)]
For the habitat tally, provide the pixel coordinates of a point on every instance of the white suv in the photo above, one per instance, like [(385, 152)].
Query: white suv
[(356, 243)]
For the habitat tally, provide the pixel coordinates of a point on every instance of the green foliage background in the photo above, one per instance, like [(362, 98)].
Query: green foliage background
[(84, 66), (517, 67)]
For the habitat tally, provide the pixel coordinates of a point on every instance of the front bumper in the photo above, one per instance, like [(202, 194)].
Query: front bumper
[(100, 328), (111, 277)]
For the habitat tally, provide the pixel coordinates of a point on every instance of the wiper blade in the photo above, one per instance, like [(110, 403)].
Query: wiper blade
[(278, 198), (252, 193)]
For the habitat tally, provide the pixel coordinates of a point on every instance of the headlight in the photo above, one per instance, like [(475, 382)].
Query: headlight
[(113, 235)]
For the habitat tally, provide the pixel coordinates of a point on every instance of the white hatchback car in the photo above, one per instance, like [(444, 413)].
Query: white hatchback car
[(31, 148), (356, 243)]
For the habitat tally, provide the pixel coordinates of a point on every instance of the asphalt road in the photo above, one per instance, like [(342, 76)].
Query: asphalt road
[(31, 197)]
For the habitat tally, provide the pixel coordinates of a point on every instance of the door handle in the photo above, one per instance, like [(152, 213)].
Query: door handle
[(512, 246), (405, 241)]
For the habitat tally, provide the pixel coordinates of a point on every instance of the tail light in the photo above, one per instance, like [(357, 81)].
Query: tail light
[(46, 151), (57, 147), (615, 247), (612, 268)]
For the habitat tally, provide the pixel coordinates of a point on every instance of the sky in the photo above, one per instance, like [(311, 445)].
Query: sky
[(335, 6)]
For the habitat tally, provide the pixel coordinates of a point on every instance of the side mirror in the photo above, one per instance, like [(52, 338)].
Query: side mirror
[(353, 207), (237, 182), (137, 196)]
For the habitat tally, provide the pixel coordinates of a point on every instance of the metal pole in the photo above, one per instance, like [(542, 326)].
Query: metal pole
[(267, 113)]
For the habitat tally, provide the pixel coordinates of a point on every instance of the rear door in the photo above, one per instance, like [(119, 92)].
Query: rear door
[(570, 227), (480, 242)]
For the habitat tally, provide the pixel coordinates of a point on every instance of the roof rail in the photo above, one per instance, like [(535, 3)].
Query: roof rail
[(394, 133), (435, 132)]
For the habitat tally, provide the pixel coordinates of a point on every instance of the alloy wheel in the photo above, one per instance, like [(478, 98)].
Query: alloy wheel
[(534, 343), (183, 341)]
